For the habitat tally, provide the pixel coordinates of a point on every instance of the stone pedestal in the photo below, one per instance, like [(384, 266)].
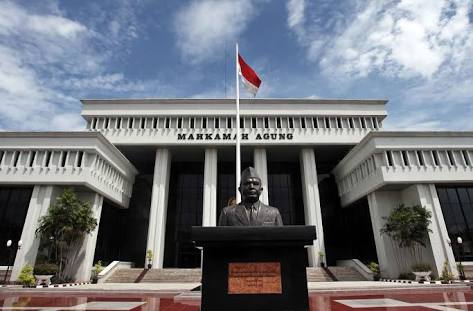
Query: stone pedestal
[(253, 268)]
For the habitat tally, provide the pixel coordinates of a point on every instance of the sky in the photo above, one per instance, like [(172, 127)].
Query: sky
[(418, 54)]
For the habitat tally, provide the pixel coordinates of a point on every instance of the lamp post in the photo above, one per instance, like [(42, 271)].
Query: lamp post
[(9, 244), (460, 246)]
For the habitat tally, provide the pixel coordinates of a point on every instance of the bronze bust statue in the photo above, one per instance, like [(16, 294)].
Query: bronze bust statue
[(251, 211)]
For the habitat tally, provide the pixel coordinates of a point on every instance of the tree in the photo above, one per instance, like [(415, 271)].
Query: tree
[(408, 226), (64, 226)]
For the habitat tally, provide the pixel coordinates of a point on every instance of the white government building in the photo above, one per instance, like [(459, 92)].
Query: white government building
[(152, 168)]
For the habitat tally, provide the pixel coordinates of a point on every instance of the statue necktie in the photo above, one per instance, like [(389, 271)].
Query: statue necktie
[(252, 216)]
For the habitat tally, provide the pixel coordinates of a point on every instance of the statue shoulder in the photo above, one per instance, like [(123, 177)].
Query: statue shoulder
[(228, 210), (270, 208)]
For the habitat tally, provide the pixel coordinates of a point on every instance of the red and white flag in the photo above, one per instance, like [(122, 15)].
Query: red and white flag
[(248, 76)]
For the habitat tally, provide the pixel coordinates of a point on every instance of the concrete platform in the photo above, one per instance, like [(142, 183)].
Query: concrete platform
[(182, 288)]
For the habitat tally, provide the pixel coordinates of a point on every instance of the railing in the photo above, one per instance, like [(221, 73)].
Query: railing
[(65, 166), (398, 165)]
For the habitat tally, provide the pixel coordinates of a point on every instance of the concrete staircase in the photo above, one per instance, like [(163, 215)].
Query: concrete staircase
[(125, 276), (346, 274), (468, 272), (172, 276), (155, 276), (318, 275), (194, 275)]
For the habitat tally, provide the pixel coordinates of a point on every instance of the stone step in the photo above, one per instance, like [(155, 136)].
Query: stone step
[(170, 275), (468, 271), (317, 274), (346, 274), (156, 276), (125, 276)]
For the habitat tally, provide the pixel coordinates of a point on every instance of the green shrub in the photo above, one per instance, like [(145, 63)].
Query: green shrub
[(447, 275), (26, 276), (97, 269), (421, 267), (45, 269), (374, 267)]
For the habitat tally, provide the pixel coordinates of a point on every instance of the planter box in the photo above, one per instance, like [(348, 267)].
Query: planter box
[(422, 276), (43, 279)]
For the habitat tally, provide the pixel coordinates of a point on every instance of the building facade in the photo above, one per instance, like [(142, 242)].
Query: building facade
[(152, 168)]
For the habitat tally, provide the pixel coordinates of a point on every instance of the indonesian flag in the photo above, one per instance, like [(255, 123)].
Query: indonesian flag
[(248, 76)]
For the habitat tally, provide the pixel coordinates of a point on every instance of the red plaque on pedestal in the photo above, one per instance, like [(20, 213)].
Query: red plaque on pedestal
[(254, 278)]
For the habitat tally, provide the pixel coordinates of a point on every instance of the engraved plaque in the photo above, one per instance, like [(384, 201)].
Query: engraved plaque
[(254, 278)]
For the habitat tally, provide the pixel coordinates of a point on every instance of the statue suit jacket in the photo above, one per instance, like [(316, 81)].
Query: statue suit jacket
[(237, 216)]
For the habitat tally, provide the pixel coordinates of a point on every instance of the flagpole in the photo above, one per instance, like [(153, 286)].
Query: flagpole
[(238, 164)]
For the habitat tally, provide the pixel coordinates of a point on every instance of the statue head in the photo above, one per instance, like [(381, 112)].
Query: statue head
[(250, 186)]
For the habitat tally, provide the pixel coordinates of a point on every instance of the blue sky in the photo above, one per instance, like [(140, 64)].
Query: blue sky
[(418, 54)]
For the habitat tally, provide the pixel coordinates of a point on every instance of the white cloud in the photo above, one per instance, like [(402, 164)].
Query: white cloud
[(48, 61), (406, 39), (203, 27), (295, 9)]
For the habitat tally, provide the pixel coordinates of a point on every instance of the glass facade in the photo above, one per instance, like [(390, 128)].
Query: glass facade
[(184, 211), (285, 191), (123, 233), (457, 209), (348, 232), (14, 203)]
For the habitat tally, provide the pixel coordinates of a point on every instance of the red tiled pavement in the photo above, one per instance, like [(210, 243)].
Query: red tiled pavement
[(400, 300)]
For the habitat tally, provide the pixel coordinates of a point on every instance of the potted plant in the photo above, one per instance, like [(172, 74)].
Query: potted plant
[(374, 267), (446, 276), (149, 257), (321, 259), (43, 272), (95, 273), (422, 271), (26, 276)]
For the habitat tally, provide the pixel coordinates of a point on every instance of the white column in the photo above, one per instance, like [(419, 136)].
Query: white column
[(86, 255), (158, 208), (384, 250), (438, 236), (312, 210), (261, 166), (41, 198), (209, 215)]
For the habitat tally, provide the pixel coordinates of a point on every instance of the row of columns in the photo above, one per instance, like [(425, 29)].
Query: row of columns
[(159, 199)]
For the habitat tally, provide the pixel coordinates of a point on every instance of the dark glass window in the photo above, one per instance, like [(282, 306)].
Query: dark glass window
[(390, 157), (327, 123), (285, 191), (184, 211), (457, 209), (14, 203), (123, 232)]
